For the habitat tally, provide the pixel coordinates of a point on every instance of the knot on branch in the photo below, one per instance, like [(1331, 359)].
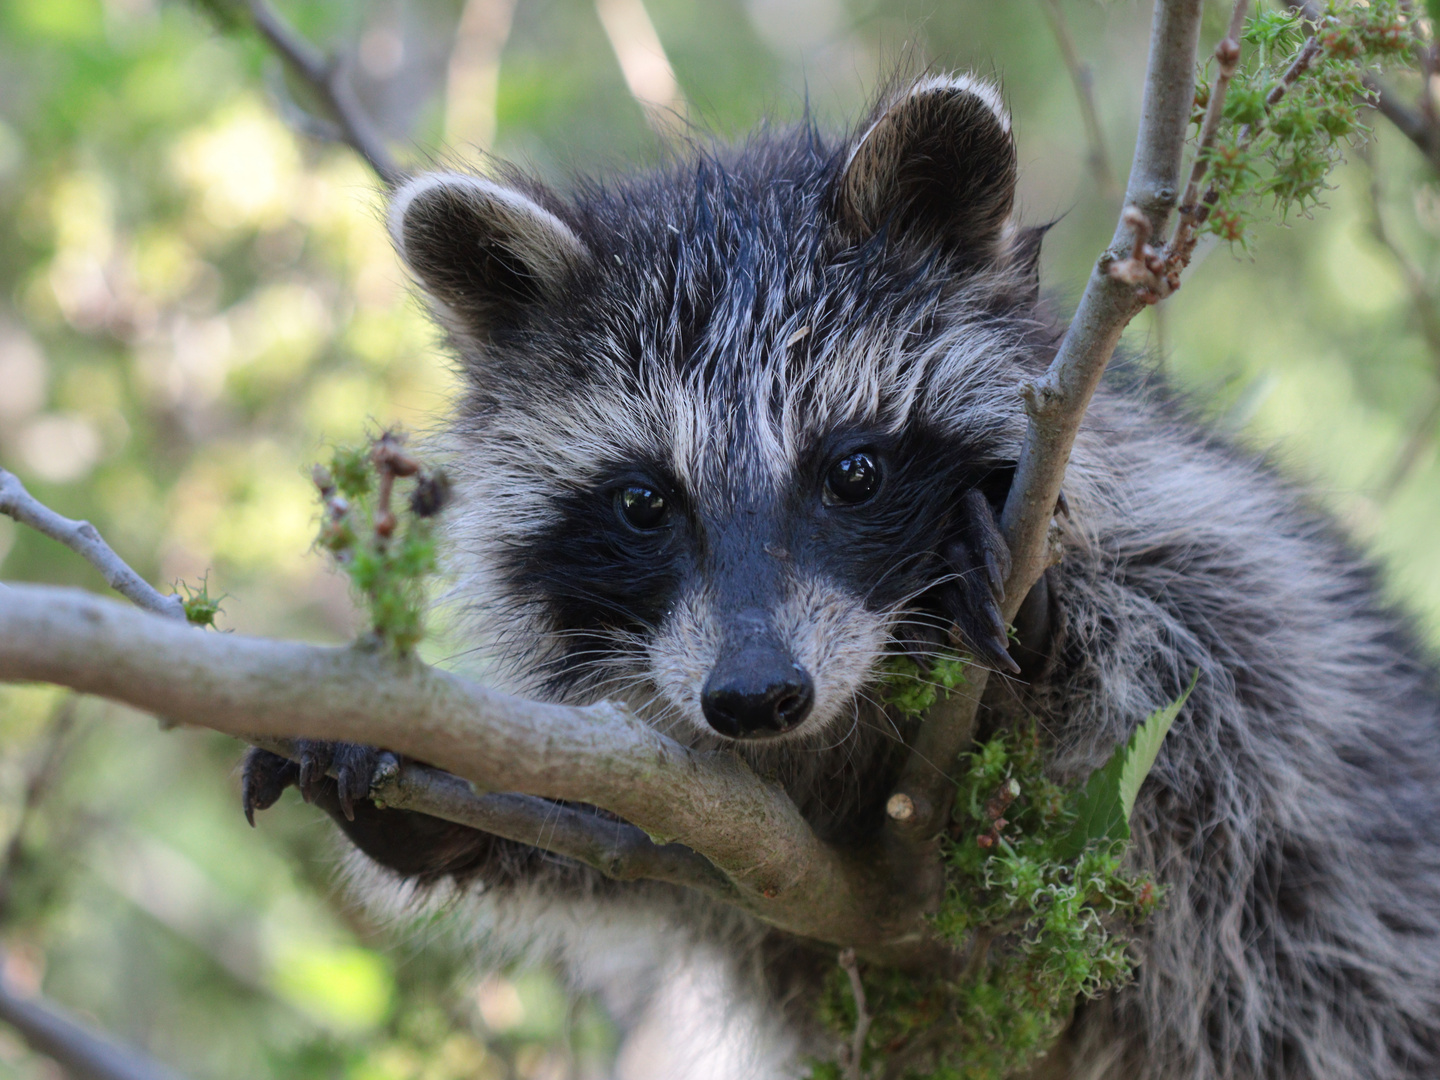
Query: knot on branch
[(1145, 268)]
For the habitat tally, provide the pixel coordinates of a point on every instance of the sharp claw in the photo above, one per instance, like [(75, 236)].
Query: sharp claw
[(310, 775), (1062, 504), (995, 573), (1003, 658), (263, 779), (344, 781), (315, 760)]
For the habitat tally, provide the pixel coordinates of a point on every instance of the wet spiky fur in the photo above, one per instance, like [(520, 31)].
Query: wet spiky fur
[(727, 325)]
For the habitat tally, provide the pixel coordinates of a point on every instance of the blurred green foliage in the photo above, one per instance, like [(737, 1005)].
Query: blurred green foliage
[(195, 299)]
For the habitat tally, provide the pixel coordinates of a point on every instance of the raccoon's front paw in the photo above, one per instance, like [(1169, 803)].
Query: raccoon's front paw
[(980, 559), (265, 776)]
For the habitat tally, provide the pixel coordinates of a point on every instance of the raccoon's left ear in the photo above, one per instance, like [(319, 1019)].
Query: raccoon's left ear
[(487, 253), (939, 161)]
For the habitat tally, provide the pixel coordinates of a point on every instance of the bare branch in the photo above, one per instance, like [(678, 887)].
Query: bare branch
[(83, 1053), (1084, 81), (82, 538), (599, 755), (615, 848), (327, 78), (1057, 401)]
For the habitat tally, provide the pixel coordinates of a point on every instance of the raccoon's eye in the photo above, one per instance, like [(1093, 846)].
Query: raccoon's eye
[(852, 479), (642, 507)]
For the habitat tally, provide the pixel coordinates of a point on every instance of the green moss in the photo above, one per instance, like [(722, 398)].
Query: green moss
[(1046, 919), (909, 689)]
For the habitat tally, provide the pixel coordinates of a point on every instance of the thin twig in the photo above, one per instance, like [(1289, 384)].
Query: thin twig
[(82, 538), (855, 1064), (1057, 401), (82, 1052), (1084, 81), (1302, 63), (328, 79)]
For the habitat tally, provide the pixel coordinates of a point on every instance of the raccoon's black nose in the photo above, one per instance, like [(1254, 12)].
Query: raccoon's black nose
[(756, 692)]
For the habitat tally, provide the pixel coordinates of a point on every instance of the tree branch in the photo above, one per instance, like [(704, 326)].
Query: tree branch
[(473, 74), (598, 755), (647, 70), (1056, 402), (327, 78), (1411, 123), (84, 1054), (82, 538)]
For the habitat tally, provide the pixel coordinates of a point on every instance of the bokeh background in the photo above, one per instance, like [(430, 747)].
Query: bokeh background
[(196, 297)]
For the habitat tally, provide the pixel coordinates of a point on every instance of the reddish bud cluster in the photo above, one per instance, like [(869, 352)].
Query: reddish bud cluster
[(995, 808)]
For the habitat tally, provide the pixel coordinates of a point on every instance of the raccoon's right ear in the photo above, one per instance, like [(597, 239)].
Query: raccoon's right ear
[(484, 251), (938, 162)]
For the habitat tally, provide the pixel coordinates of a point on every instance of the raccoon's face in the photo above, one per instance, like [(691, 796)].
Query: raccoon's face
[(736, 431)]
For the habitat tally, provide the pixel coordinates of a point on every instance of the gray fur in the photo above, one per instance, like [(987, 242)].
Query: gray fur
[(1294, 813)]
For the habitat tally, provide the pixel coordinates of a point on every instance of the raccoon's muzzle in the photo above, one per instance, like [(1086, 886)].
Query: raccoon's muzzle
[(756, 689)]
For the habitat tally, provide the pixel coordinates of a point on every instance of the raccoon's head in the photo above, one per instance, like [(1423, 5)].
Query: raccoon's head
[(726, 422)]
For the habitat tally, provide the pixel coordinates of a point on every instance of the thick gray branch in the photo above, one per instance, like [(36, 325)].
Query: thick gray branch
[(599, 755), (1057, 401), (82, 538), (326, 77)]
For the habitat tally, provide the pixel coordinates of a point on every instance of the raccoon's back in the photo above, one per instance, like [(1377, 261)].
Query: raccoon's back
[(1294, 813)]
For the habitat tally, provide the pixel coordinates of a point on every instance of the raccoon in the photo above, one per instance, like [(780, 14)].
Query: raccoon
[(738, 428)]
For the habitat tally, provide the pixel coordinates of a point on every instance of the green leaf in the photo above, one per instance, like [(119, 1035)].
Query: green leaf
[(1432, 7), (1109, 796)]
